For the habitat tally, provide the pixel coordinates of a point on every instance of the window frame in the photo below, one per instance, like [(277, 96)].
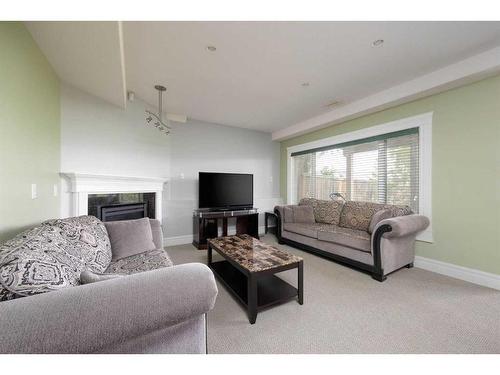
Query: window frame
[(424, 124)]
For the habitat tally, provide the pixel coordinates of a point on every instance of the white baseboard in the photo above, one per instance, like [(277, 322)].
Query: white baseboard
[(188, 238), (471, 275), (178, 240)]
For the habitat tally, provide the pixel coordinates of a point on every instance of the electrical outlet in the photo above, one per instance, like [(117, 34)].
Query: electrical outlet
[(33, 191)]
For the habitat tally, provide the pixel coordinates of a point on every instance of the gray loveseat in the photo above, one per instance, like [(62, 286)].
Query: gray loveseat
[(143, 304), (373, 237)]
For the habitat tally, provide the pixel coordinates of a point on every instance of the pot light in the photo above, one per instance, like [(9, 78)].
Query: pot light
[(378, 43), (211, 48)]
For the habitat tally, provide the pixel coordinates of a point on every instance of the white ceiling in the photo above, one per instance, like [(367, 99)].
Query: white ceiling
[(87, 55), (254, 78)]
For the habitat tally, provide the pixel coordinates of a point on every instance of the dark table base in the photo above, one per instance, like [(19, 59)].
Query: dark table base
[(257, 291)]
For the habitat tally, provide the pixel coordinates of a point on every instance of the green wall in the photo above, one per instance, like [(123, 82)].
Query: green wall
[(29, 132), (465, 170)]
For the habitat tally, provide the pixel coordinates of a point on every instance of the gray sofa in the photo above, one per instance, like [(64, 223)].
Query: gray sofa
[(372, 237), (141, 303)]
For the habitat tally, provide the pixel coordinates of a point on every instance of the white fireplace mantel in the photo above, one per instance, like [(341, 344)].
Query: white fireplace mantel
[(83, 184)]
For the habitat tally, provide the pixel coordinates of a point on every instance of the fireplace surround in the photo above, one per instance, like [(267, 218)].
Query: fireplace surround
[(113, 192)]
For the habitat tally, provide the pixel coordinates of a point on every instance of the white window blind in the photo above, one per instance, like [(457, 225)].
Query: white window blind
[(381, 169)]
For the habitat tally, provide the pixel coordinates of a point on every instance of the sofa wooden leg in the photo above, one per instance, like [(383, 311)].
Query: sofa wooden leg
[(409, 265), (379, 277)]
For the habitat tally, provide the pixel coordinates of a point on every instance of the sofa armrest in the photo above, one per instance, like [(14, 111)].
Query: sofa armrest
[(90, 317), (402, 226), (278, 210), (397, 249), (280, 218)]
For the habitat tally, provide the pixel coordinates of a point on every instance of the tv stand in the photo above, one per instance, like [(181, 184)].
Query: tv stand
[(229, 209), (206, 224)]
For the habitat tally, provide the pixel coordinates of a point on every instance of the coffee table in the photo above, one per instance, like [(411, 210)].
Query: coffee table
[(248, 272)]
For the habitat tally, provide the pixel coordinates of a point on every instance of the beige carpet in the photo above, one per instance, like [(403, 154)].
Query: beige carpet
[(345, 311)]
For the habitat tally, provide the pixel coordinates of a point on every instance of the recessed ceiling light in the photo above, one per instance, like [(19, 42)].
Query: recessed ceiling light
[(211, 48), (378, 43), (305, 84)]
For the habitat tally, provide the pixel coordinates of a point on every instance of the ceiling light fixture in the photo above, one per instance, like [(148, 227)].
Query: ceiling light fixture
[(156, 119), (211, 48), (305, 84), (378, 43)]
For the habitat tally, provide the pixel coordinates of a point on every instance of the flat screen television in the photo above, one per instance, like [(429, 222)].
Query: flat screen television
[(221, 191)]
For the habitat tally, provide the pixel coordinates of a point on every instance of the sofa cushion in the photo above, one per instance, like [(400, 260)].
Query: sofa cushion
[(39, 260), (288, 214), (325, 211), (146, 261), (130, 237), (88, 277), (308, 230), (85, 238), (378, 217), (313, 202), (356, 239), (358, 215), (303, 214)]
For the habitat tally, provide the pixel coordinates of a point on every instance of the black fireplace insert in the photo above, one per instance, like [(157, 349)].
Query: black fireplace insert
[(122, 206)]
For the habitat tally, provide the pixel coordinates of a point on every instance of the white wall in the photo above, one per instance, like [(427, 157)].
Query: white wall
[(198, 146), (100, 138)]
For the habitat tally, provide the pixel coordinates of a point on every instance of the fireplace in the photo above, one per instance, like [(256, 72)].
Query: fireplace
[(121, 206), (123, 212), (115, 197)]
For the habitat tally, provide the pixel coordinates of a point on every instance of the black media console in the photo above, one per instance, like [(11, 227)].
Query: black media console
[(206, 224)]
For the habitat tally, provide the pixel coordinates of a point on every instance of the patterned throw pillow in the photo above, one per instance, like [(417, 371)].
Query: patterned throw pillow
[(378, 217), (325, 211), (35, 261), (398, 210), (87, 239), (53, 255), (358, 215)]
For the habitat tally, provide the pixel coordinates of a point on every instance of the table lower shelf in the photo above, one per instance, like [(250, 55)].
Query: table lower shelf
[(271, 289)]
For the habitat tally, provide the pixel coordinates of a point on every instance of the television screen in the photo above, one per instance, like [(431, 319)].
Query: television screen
[(225, 190)]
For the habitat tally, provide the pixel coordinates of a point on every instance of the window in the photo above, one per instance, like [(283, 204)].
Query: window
[(381, 169), (390, 163)]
